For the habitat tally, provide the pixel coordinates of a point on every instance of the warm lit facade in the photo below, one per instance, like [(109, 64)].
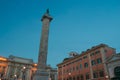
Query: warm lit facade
[(3, 66), (89, 65), (21, 68)]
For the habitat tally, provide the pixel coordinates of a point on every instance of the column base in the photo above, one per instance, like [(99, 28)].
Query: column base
[(41, 75)]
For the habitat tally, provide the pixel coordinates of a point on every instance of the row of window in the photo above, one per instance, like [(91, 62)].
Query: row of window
[(84, 57), (97, 61), (97, 52), (96, 74), (93, 62)]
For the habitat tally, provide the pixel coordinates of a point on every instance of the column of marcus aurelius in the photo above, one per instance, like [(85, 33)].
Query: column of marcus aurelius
[(42, 73)]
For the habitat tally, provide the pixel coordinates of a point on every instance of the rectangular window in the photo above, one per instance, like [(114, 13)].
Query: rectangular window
[(97, 52), (84, 57), (85, 65), (92, 54), (76, 67), (87, 76), (80, 66), (81, 77), (95, 75), (101, 73), (99, 60), (93, 62)]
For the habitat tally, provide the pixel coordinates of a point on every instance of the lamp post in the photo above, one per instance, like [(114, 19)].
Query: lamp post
[(23, 73), (24, 67), (15, 76), (106, 77), (69, 76)]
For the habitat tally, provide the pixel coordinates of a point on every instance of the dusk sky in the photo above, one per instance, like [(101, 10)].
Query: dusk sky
[(77, 25)]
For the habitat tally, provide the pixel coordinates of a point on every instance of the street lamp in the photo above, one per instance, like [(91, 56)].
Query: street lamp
[(23, 73), (69, 74), (15, 76), (24, 67), (106, 77)]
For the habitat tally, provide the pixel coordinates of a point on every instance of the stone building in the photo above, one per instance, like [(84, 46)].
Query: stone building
[(21, 68), (3, 66), (113, 66), (89, 65)]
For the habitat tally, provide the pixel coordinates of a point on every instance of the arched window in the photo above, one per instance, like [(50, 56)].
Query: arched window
[(117, 71)]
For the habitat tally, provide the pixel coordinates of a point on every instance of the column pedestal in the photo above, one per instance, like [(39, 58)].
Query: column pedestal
[(41, 75)]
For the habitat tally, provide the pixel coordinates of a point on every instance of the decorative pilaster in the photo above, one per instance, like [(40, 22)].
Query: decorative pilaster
[(91, 70), (103, 54)]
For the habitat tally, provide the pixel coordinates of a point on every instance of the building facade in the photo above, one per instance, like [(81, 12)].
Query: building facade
[(89, 65), (3, 66), (113, 66), (21, 68)]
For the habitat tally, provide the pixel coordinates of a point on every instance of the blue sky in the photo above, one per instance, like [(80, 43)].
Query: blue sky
[(77, 26)]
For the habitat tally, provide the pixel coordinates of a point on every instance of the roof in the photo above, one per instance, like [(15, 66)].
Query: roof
[(113, 58), (84, 52), (20, 59)]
